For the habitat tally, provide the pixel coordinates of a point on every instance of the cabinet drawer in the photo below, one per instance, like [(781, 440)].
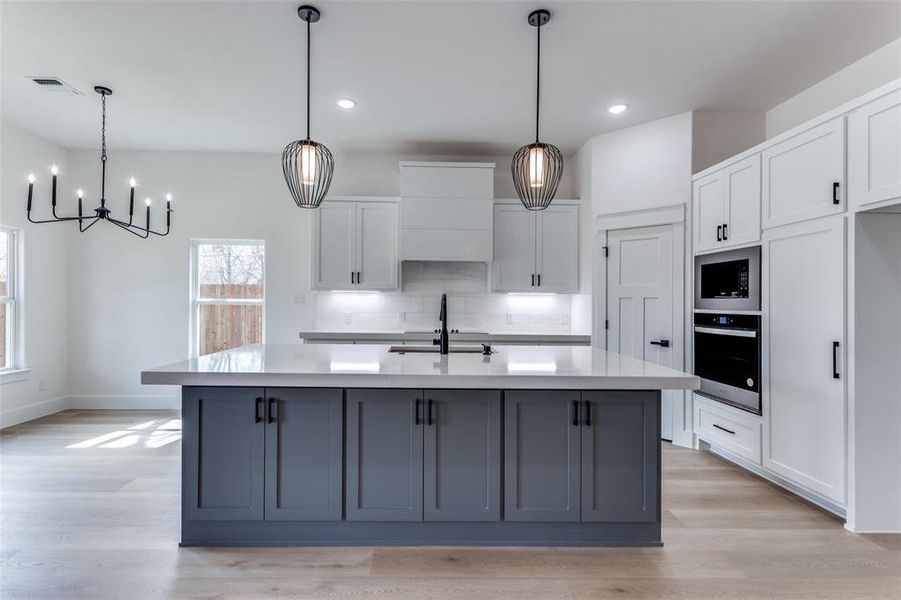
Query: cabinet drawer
[(737, 433)]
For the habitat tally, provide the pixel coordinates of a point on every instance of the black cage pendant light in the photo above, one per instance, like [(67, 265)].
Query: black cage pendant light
[(537, 167), (102, 212), (308, 165)]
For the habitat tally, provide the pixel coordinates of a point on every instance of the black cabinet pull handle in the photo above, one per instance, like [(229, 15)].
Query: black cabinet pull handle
[(719, 233), (588, 413), (533, 279), (352, 277), (835, 185), (835, 374), (257, 417), (725, 231), (575, 413), (661, 343), (729, 431), (430, 420), (416, 412), (358, 277), (539, 280), (273, 410)]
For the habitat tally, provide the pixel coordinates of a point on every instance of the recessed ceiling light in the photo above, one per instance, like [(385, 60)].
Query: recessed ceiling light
[(345, 103), (617, 108)]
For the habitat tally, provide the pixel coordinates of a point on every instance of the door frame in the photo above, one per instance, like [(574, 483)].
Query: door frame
[(675, 216)]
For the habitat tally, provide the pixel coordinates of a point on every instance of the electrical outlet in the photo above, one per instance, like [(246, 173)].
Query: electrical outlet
[(42, 385), (300, 300), (348, 318), (509, 318)]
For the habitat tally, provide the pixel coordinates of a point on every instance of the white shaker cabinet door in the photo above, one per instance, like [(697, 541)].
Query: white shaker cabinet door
[(334, 248), (804, 369), (513, 269), (708, 204), (804, 176), (742, 202), (376, 245), (557, 252), (874, 151)]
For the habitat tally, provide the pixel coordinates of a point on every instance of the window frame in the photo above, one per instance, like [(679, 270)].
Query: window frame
[(13, 301), (194, 290)]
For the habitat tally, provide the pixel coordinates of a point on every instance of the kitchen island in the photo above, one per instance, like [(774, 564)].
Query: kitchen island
[(318, 444)]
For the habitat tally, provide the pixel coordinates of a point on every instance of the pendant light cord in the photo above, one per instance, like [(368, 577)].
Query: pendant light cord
[(103, 150), (538, 82), (308, 77)]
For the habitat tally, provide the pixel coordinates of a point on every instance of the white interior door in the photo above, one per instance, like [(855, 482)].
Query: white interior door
[(640, 301)]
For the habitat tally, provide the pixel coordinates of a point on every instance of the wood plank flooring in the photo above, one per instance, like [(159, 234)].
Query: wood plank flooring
[(89, 508)]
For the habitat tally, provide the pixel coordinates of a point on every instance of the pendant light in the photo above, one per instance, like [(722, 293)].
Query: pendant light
[(537, 167), (102, 212), (308, 165)]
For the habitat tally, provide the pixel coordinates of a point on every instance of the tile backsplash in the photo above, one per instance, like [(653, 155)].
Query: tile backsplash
[(470, 306)]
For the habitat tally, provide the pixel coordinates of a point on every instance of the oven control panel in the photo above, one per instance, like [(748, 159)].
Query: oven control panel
[(731, 321)]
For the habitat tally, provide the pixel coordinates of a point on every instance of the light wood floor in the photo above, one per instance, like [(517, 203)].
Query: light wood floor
[(89, 508)]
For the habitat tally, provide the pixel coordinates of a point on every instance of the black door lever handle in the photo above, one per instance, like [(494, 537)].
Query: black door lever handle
[(661, 343)]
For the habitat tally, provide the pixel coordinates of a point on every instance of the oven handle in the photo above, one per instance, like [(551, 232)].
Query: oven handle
[(722, 331)]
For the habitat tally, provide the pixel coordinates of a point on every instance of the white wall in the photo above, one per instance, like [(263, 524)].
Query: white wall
[(44, 389), (858, 78), (875, 482), (642, 167), (129, 297), (721, 134)]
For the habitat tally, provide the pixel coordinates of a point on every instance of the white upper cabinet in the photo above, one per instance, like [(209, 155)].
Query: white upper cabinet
[(742, 204), (513, 269), (709, 198), (557, 251), (874, 151), (803, 365), (726, 206), (334, 255), (536, 251), (355, 245), (803, 176), (376, 245)]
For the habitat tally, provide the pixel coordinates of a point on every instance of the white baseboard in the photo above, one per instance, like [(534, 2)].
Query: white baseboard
[(760, 471), (15, 416), (119, 401)]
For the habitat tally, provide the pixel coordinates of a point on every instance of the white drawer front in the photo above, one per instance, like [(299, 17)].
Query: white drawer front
[(734, 433)]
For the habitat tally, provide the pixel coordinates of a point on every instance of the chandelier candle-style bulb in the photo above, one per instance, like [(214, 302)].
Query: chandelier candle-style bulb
[(30, 189), (53, 171), (102, 212)]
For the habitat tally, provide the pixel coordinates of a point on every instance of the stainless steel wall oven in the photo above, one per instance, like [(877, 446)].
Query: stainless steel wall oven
[(727, 358)]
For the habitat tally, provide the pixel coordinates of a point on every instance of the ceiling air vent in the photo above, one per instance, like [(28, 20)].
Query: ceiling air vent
[(54, 84)]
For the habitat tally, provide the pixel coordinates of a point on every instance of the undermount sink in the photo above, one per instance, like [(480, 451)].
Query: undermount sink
[(434, 349)]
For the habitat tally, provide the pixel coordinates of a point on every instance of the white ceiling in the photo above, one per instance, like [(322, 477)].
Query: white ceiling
[(430, 77)]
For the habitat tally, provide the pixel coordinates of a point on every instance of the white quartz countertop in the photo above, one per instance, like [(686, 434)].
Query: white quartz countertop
[(371, 365), (463, 336)]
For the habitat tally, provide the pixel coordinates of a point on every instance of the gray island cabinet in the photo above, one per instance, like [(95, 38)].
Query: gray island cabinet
[(434, 450)]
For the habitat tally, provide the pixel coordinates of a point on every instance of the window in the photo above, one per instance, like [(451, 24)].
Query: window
[(227, 294), (9, 300)]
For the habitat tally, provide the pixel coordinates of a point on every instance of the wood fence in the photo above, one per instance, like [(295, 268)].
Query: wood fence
[(225, 326)]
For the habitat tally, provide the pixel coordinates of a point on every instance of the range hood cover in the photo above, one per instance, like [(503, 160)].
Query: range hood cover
[(447, 211)]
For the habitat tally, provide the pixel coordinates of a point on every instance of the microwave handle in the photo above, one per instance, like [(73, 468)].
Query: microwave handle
[(722, 331)]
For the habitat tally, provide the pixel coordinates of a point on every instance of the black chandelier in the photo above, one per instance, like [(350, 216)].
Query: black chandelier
[(85, 222), (308, 165), (537, 167)]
